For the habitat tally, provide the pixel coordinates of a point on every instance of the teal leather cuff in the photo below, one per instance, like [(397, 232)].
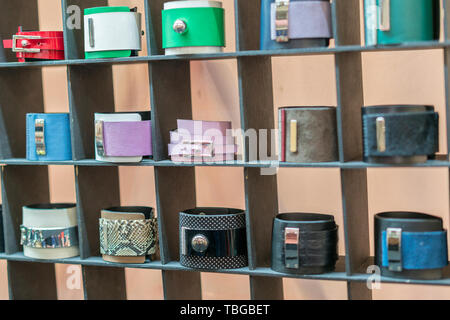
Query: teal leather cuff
[(397, 21)]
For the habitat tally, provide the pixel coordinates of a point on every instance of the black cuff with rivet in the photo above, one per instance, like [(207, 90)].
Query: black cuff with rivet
[(213, 238)]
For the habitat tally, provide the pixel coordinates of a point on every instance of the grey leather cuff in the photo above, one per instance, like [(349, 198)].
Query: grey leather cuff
[(400, 134), (308, 134)]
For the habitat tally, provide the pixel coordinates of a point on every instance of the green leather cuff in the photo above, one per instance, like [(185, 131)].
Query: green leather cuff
[(398, 21), (203, 27)]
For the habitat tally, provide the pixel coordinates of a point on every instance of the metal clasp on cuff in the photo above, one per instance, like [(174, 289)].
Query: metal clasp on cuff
[(293, 132), (381, 134), (91, 32), (24, 43), (198, 150), (39, 137), (282, 20), (99, 144), (385, 15), (291, 238), (394, 247)]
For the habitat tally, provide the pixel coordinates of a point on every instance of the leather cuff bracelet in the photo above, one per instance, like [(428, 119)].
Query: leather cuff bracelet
[(400, 134), (397, 21), (288, 24), (48, 137), (308, 134), (123, 137), (202, 141), (128, 234), (304, 243), (37, 45), (213, 238), (49, 231), (111, 32), (410, 245), (190, 27)]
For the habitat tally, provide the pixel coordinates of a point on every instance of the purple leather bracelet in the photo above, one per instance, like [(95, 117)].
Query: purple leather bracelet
[(127, 138), (307, 20)]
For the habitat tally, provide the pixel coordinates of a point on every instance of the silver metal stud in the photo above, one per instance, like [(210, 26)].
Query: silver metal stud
[(179, 26), (200, 243)]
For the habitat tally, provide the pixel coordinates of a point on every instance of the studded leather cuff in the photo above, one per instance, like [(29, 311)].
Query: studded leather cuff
[(213, 238)]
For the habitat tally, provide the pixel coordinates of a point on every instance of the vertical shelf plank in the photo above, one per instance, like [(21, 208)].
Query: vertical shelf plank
[(90, 91), (20, 93), (97, 188), (104, 283), (21, 185), (14, 14), (175, 187), (247, 19), (74, 37), (31, 281), (256, 105), (350, 98), (20, 89), (24, 186), (154, 26), (181, 285), (446, 7)]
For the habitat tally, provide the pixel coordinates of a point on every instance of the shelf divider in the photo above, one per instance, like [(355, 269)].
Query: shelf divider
[(104, 283), (74, 37), (31, 281), (350, 98), (256, 107), (175, 186)]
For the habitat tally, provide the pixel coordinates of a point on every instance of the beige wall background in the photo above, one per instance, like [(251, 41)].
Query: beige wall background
[(390, 77)]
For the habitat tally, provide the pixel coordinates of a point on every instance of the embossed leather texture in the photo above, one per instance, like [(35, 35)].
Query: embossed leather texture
[(213, 238), (316, 134), (313, 247), (309, 24), (58, 146), (409, 131), (128, 234)]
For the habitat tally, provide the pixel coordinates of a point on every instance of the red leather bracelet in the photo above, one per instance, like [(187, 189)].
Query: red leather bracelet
[(43, 45)]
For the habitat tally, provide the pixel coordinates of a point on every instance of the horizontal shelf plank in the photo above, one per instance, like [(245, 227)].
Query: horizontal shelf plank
[(425, 45), (338, 275), (236, 163)]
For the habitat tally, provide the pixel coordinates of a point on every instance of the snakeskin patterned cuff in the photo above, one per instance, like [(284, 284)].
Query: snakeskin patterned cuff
[(128, 238)]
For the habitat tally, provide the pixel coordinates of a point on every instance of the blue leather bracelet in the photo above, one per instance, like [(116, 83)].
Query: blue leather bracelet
[(420, 250), (48, 137)]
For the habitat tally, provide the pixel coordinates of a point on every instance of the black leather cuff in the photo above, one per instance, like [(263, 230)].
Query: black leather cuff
[(400, 134), (213, 238), (304, 243)]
